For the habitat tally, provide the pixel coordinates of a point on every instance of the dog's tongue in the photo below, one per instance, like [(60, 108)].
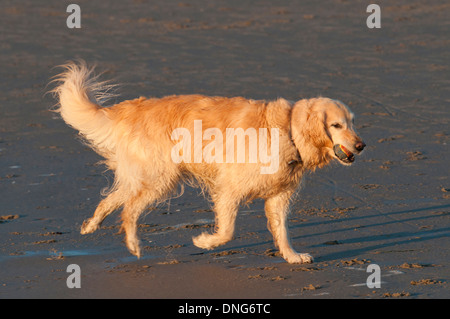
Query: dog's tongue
[(343, 153)]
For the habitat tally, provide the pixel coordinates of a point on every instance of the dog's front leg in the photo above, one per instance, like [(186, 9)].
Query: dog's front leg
[(225, 207), (277, 211)]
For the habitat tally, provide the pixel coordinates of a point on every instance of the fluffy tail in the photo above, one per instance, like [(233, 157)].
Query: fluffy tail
[(80, 96)]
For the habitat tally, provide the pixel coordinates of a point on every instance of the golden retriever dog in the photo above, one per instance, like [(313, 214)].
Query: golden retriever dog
[(154, 144)]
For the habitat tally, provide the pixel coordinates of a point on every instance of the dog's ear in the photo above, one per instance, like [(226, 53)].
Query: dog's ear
[(315, 125), (309, 132)]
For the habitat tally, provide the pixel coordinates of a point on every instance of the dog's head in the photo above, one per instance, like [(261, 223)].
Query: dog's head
[(322, 130)]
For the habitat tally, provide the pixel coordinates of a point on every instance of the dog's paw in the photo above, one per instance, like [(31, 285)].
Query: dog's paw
[(134, 247), (210, 241), (88, 227), (296, 258), (204, 241)]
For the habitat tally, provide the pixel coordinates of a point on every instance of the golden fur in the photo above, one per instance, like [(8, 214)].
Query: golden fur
[(134, 137)]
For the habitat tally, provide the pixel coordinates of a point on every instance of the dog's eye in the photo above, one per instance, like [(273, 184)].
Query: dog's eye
[(336, 125)]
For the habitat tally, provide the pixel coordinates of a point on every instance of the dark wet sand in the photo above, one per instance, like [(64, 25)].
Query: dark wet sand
[(391, 208)]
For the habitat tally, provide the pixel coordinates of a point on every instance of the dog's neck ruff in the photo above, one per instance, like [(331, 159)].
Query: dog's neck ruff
[(299, 160)]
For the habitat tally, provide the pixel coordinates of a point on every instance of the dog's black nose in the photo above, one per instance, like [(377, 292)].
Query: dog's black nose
[(360, 146)]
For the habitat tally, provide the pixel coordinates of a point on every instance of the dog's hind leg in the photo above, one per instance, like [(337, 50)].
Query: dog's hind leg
[(106, 207), (277, 210), (226, 209), (133, 208), (143, 189)]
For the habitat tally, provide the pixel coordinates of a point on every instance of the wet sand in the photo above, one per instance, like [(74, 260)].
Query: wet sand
[(391, 208)]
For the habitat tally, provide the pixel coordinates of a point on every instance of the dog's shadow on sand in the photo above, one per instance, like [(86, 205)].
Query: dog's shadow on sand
[(387, 240)]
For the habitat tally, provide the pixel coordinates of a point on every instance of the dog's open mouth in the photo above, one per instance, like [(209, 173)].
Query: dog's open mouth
[(343, 154)]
